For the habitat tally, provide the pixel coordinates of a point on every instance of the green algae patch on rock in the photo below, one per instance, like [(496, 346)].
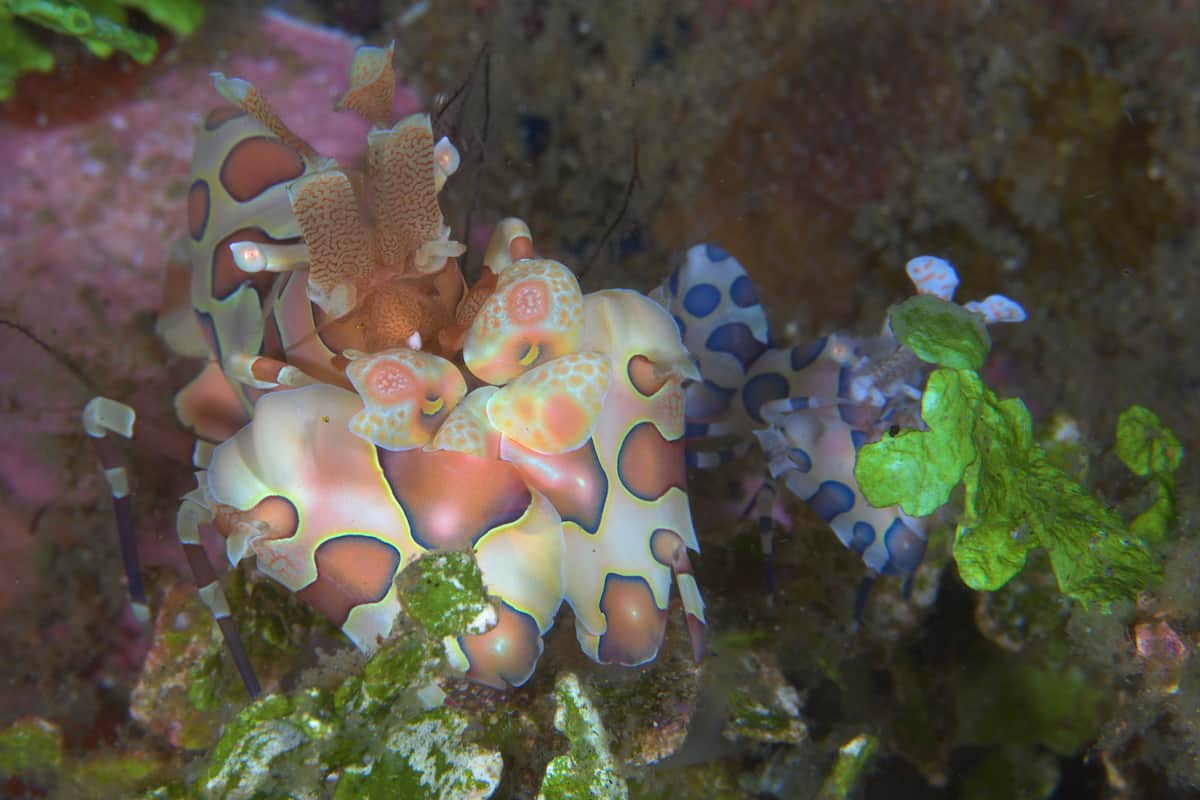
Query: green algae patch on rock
[(386, 685), (381, 733), (113, 774), (427, 756), (854, 758), (648, 713), (189, 686), (587, 770), (1012, 772), (444, 593), (31, 747), (277, 736), (31, 750), (763, 706), (1037, 699), (940, 332)]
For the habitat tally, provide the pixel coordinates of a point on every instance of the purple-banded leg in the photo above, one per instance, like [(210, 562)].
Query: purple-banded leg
[(102, 417), (761, 504), (195, 510), (714, 457)]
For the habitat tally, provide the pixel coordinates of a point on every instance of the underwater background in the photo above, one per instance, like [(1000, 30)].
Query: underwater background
[(1049, 150)]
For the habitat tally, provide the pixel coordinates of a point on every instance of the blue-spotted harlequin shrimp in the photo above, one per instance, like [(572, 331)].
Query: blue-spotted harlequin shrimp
[(812, 405)]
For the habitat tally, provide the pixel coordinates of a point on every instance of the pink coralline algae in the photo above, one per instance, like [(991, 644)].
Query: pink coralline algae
[(1163, 651), (87, 216)]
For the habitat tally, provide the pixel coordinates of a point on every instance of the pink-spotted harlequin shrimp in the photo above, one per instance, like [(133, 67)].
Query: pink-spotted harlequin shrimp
[(361, 407), (811, 406)]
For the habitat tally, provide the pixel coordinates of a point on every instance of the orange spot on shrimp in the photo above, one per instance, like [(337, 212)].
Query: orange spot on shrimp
[(644, 377), (527, 302), (389, 382), (636, 625), (505, 655), (197, 209), (351, 570), (220, 115), (563, 419), (648, 465), (490, 494), (257, 163)]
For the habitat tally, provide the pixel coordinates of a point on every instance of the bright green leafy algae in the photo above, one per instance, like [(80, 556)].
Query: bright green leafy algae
[(22, 53), (1150, 449), (1145, 445), (101, 25), (940, 332), (1014, 498), (917, 470)]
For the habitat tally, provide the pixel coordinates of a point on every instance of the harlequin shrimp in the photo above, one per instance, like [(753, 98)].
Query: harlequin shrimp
[(360, 407), (811, 406)]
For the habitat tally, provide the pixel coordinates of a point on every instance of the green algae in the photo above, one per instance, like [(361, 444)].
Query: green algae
[(32, 751), (189, 686), (444, 593), (763, 706), (1151, 450), (276, 734), (101, 25), (940, 332), (1145, 445), (587, 770), (1042, 698), (918, 470), (1014, 498), (116, 771), (378, 733), (384, 681), (426, 756), (369, 735), (31, 747), (854, 759)]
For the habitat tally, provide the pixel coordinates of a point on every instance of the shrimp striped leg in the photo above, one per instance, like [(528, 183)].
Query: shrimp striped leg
[(194, 511), (101, 418)]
